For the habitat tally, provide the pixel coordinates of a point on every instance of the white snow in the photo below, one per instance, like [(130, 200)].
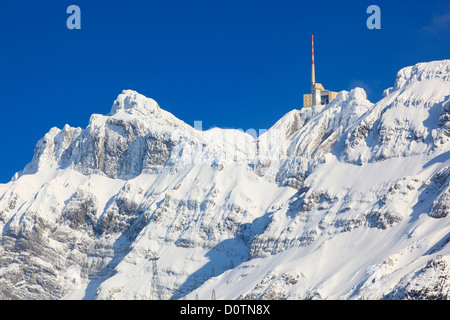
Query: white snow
[(344, 201)]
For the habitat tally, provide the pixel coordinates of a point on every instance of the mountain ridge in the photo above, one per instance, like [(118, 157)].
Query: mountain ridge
[(344, 201)]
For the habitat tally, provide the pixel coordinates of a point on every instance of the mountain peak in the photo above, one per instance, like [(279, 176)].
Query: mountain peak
[(130, 101), (439, 70)]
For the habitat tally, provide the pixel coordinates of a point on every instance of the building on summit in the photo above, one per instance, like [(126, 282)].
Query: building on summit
[(318, 96)]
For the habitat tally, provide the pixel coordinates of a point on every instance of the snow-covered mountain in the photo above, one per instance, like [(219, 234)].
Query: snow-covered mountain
[(344, 201)]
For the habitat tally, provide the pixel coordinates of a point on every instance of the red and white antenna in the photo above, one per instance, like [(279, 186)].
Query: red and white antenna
[(313, 75)]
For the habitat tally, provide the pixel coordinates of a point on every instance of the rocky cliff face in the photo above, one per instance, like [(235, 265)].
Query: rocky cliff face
[(348, 200)]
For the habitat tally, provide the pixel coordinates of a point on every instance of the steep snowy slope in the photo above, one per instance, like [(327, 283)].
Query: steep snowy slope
[(370, 220), (74, 213), (344, 201)]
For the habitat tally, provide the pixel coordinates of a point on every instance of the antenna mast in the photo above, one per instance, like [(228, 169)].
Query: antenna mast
[(313, 74)]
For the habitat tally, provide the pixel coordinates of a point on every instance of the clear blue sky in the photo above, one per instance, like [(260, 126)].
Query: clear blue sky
[(232, 64)]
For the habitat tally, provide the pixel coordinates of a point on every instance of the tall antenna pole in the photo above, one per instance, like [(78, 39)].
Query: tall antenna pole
[(313, 75)]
